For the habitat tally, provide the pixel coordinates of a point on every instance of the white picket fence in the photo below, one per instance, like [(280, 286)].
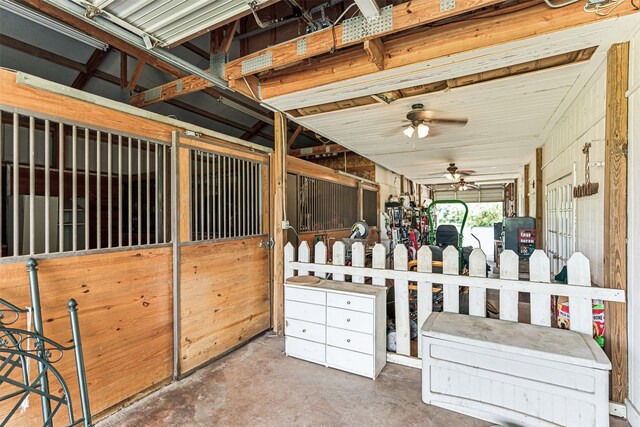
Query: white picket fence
[(579, 290)]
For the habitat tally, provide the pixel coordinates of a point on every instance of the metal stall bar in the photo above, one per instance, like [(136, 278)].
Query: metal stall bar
[(74, 188), (1, 191), (244, 198), (208, 196), (47, 183), (164, 193), (156, 146), (129, 196), (109, 190), (148, 188), (16, 177), (193, 154), (98, 189), (61, 165), (175, 236), (225, 213), (139, 163), (32, 184), (217, 167), (86, 188), (202, 202), (119, 190)]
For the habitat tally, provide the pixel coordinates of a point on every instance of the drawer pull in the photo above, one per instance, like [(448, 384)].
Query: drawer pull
[(348, 302), (304, 330), (348, 320), (348, 339)]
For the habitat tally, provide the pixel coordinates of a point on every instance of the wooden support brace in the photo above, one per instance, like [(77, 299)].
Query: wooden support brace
[(375, 50), (615, 214), (123, 70), (136, 74), (93, 63), (318, 150), (294, 136), (278, 192)]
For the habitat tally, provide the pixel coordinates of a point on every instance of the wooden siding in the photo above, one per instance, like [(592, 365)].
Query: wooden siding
[(224, 298), (124, 305)]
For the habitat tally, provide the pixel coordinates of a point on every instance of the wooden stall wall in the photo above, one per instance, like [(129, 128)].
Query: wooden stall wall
[(224, 298), (124, 305)]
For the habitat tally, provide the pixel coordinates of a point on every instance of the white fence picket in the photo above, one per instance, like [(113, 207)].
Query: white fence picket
[(338, 260), (379, 261), (477, 296), (451, 291), (303, 256), (357, 260), (539, 271), (320, 257), (425, 290), (580, 308), (401, 295), (509, 268), (288, 259)]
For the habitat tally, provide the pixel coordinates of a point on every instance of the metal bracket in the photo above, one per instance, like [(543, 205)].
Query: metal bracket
[(269, 244), (446, 5), (359, 27), (217, 63), (257, 63), (301, 46)]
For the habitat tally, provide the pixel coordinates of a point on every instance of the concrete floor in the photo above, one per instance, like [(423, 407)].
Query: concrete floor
[(257, 385)]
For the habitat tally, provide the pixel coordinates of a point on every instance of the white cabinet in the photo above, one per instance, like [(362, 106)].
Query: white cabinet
[(512, 373), (337, 324)]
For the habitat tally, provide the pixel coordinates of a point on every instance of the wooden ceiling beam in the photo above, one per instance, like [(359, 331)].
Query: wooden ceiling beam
[(123, 70), (294, 136), (318, 150), (406, 16), (512, 23), (375, 51), (253, 131), (195, 49), (92, 65)]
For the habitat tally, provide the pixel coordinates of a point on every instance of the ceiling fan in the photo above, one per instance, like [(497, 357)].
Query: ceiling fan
[(453, 173), (463, 185), (423, 121)]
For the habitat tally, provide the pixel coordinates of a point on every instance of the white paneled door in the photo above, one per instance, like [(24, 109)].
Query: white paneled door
[(560, 222)]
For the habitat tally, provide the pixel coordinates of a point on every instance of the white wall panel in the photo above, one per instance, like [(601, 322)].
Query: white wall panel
[(583, 122)]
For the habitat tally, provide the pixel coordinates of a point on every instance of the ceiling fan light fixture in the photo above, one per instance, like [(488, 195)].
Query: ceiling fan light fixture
[(423, 130), (409, 131)]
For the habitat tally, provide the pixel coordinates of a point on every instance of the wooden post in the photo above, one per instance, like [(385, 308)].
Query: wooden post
[(615, 223), (526, 190), (539, 196), (278, 201)]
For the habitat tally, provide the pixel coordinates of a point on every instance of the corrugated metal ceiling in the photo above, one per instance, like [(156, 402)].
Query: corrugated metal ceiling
[(171, 21)]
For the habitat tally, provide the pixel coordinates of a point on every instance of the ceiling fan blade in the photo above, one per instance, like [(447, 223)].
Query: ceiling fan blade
[(447, 122), (466, 172)]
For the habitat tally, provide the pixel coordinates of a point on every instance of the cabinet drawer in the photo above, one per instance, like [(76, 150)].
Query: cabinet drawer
[(305, 330), (350, 302), (307, 350), (352, 320), (350, 340), (305, 295), (350, 361), (303, 311)]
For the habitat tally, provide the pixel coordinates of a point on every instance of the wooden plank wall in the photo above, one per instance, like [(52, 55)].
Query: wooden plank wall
[(224, 298), (124, 305)]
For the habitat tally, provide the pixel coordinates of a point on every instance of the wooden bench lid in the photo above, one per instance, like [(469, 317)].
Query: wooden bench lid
[(303, 280)]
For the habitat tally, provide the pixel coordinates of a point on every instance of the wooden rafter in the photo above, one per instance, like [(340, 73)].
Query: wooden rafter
[(195, 49), (294, 136), (405, 16), (123, 70), (254, 130), (375, 50), (492, 29), (136, 75), (318, 150), (92, 65)]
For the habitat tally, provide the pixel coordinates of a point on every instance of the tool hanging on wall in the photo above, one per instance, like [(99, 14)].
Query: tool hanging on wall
[(588, 188)]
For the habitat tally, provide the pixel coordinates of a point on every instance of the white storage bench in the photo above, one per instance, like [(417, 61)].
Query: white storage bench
[(511, 373)]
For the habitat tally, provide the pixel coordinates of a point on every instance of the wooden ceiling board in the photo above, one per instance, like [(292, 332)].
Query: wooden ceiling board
[(505, 118)]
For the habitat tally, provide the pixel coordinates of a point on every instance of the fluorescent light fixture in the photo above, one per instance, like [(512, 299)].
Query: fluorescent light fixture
[(409, 131), (423, 130), (51, 24), (369, 8)]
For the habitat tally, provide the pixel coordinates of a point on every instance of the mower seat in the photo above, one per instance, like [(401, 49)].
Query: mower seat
[(447, 235)]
